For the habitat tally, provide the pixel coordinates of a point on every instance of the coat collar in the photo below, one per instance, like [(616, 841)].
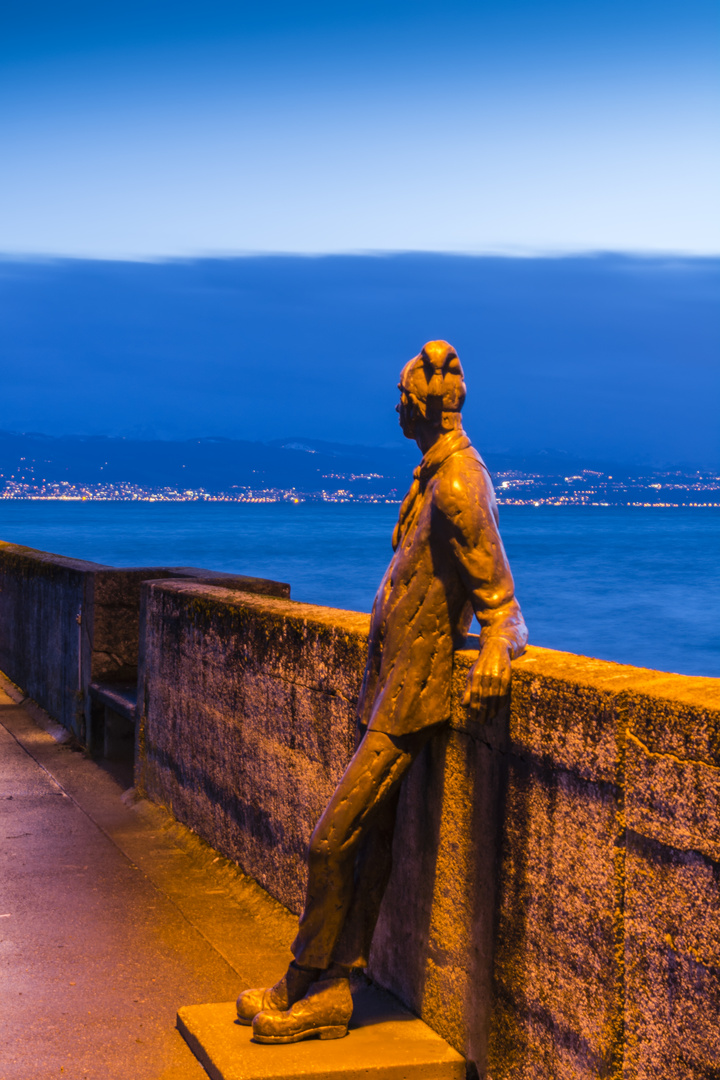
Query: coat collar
[(447, 445)]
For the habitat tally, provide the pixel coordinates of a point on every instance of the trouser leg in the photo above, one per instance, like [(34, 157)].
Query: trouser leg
[(373, 865), (365, 797)]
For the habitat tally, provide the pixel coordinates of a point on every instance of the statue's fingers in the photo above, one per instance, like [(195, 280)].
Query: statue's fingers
[(492, 688)]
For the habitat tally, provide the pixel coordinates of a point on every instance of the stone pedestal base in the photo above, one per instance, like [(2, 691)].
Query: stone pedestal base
[(384, 1042)]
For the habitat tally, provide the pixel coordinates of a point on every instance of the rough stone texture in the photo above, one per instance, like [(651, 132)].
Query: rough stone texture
[(42, 647), (544, 854), (543, 863), (557, 975), (510, 832), (673, 770), (672, 964), (672, 888), (554, 908), (52, 656), (246, 719), (242, 582), (433, 943)]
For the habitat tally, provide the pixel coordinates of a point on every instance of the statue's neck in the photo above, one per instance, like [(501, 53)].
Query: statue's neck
[(426, 437)]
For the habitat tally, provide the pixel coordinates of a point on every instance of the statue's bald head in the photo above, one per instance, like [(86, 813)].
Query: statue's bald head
[(434, 382)]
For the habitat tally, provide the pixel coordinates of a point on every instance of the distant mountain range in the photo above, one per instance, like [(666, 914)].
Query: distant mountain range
[(217, 464), (214, 464)]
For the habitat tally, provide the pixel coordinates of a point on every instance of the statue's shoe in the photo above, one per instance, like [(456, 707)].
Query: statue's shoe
[(277, 998), (324, 1011)]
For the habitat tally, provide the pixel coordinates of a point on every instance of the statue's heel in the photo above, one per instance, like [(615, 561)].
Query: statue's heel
[(337, 1031)]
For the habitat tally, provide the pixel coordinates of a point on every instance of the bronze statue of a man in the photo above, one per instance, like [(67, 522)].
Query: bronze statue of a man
[(448, 562)]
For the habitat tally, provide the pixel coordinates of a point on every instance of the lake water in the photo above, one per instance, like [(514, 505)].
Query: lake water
[(636, 585)]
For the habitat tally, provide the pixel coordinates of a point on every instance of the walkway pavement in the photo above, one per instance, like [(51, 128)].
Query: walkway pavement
[(111, 917)]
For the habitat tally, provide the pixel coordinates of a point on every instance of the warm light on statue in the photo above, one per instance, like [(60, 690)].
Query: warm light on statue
[(448, 564)]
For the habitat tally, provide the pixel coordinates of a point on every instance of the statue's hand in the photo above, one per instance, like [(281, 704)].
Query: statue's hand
[(489, 680)]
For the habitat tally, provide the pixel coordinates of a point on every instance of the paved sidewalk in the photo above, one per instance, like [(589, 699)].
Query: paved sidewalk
[(111, 917)]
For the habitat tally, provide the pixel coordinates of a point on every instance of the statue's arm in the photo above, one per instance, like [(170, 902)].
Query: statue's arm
[(467, 501)]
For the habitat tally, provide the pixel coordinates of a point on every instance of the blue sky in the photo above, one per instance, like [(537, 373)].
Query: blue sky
[(152, 130), (162, 129)]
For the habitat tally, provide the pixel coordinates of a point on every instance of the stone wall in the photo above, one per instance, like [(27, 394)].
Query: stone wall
[(554, 909), (65, 623), (246, 719), (602, 905)]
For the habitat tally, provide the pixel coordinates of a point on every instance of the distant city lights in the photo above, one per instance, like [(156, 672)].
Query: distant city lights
[(514, 488)]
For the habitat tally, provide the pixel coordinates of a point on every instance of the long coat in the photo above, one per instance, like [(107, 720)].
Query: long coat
[(449, 562)]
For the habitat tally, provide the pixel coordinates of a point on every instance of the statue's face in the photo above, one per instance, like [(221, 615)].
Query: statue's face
[(406, 410), (407, 413)]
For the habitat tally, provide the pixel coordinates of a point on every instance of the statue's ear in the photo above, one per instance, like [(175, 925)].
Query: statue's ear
[(434, 408)]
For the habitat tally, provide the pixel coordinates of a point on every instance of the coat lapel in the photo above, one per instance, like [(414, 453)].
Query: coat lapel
[(448, 444)]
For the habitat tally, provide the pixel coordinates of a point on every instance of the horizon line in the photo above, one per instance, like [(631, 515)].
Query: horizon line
[(490, 252)]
